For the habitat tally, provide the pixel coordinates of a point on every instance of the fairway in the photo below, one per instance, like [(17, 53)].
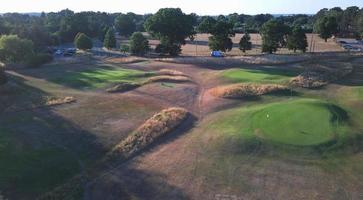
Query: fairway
[(257, 76), (95, 78)]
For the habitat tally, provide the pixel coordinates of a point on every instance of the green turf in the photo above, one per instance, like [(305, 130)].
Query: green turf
[(258, 76), (301, 122), (32, 169), (96, 78)]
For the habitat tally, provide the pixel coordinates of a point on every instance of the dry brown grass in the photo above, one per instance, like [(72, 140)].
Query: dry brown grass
[(155, 127), (53, 101), (246, 90), (170, 72), (319, 75)]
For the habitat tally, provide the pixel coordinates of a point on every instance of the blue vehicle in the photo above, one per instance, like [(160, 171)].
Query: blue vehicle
[(217, 54)]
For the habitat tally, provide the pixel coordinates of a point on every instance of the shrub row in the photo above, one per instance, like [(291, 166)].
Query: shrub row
[(246, 90)]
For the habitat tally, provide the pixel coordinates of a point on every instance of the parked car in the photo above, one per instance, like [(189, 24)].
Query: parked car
[(217, 54), (58, 52), (69, 52)]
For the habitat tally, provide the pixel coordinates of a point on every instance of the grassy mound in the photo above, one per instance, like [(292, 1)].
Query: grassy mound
[(123, 87), (155, 127), (258, 76), (167, 78), (302, 122), (246, 90), (170, 72)]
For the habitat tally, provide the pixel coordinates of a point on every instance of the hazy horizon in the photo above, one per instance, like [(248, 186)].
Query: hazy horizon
[(188, 6)]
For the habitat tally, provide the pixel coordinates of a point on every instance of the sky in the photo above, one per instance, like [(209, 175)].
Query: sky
[(201, 7)]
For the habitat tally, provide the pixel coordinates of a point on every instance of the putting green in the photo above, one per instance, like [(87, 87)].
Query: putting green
[(297, 122), (301, 122)]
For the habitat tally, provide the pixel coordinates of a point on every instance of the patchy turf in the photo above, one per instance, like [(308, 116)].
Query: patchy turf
[(277, 76), (96, 78)]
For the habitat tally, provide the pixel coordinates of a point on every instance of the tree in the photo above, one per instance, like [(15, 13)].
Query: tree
[(220, 43), (125, 24), (82, 41), (206, 25), (297, 40), (172, 27), (245, 43), (139, 44), (110, 40), (124, 48), (273, 35), (326, 27), (360, 25), (14, 49)]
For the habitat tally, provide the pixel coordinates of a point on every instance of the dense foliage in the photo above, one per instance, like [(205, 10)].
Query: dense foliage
[(14, 49), (125, 24), (245, 43), (83, 42), (139, 45), (274, 34), (339, 22), (109, 41), (297, 39), (172, 27), (221, 30)]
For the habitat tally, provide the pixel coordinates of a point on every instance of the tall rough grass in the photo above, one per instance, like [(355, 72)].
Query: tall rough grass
[(155, 127), (246, 90)]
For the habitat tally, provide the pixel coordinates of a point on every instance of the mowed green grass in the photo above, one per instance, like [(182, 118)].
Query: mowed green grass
[(298, 122), (258, 76), (96, 78), (32, 169)]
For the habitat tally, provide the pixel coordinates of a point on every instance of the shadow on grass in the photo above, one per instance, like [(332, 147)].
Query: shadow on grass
[(39, 148), (80, 77), (127, 182)]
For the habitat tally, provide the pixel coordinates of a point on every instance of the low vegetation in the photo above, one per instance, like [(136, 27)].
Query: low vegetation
[(158, 125), (320, 75), (123, 87), (164, 75), (258, 76), (247, 90)]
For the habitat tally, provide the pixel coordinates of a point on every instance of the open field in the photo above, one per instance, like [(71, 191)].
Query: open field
[(306, 144), (199, 47)]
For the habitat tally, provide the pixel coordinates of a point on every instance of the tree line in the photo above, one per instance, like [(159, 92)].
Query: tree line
[(35, 33)]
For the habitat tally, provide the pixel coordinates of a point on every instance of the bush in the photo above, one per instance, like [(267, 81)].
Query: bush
[(83, 42), (124, 48), (39, 59), (14, 49), (246, 90), (139, 45)]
